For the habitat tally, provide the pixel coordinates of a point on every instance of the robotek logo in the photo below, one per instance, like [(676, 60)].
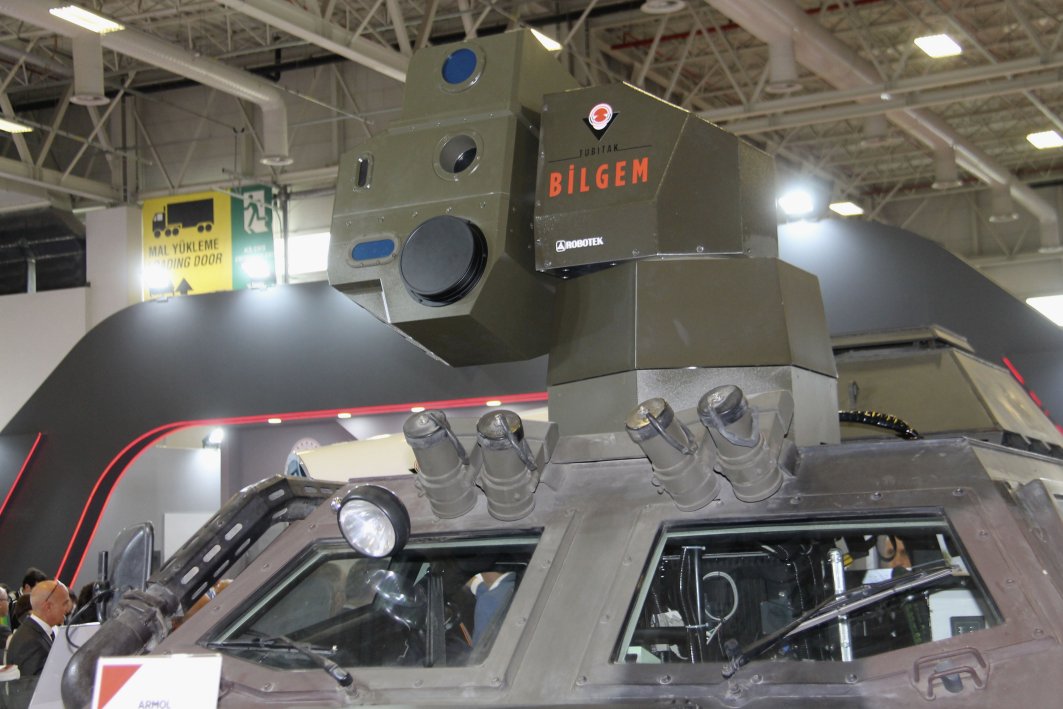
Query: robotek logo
[(563, 245)]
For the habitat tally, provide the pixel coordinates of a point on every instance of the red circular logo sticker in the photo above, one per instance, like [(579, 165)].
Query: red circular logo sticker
[(600, 116)]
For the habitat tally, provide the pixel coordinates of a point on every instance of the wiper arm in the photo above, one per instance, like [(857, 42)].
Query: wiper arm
[(281, 642), (852, 600)]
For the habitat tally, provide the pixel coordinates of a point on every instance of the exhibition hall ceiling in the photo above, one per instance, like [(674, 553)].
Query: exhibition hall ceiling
[(810, 82)]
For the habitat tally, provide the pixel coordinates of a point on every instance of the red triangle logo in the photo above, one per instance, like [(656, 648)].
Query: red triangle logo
[(112, 679)]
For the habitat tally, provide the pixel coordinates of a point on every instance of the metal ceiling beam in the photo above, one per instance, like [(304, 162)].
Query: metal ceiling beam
[(905, 101), (828, 57), (19, 139), (398, 22), (53, 180), (895, 89), (318, 31), (151, 50), (429, 19)]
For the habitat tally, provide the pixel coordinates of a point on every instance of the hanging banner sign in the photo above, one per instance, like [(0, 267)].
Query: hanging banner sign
[(252, 230), (175, 682), (208, 241)]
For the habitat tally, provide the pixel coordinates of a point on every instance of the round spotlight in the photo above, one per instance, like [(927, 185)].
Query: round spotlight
[(796, 203), (373, 521)]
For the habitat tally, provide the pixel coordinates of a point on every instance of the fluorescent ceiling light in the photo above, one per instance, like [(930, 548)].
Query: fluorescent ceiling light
[(551, 44), (846, 209), (796, 203), (938, 45), (1045, 139), (12, 127), (416, 409), (1051, 306), (273, 420), (343, 415), (83, 18), (493, 402)]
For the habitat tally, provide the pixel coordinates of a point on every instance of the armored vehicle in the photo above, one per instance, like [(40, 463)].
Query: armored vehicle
[(690, 527)]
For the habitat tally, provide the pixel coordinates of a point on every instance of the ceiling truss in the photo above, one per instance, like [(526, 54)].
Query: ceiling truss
[(1007, 83)]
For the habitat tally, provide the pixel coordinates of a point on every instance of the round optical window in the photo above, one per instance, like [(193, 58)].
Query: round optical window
[(460, 66)]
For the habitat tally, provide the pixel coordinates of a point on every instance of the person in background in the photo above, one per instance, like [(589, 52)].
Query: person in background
[(5, 618), (892, 557), (29, 647), (31, 643), (493, 592), (85, 608), (21, 608)]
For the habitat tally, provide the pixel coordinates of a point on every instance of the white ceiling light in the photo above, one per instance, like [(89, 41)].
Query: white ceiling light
[(796, 203), (938, 45), (1045, 139), (1051, 306), (85, 19), (662, 7), (846, 209), (12, 127)]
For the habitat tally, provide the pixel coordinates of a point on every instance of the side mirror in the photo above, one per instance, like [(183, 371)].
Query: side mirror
[(130, 565)]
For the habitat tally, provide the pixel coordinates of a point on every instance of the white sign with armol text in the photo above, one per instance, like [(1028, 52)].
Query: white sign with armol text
[(173, 682)]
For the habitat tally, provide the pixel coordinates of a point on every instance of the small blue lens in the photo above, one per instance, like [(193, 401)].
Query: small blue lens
[(373, 250), (459, 66)]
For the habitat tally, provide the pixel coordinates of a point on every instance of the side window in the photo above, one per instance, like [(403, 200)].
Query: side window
[(432, 605), (822, 591)]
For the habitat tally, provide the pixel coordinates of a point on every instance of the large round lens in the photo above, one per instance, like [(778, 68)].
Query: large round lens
[(367, 528)]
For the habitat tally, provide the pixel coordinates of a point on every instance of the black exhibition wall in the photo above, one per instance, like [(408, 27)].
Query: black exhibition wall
[(151, 367), (877, 277)]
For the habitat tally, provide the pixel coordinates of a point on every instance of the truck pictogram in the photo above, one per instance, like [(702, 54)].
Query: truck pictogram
[(198, 213)]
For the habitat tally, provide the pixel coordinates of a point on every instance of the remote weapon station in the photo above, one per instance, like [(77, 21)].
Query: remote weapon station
[(688, 529)]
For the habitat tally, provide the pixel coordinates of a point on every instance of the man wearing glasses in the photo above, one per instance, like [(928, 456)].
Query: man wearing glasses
[(50, 601)]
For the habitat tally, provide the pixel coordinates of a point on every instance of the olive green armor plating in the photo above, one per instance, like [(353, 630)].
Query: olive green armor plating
[(686, 529)]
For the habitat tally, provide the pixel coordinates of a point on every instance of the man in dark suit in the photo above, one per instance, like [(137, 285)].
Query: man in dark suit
[(50, 601), (30, 644)]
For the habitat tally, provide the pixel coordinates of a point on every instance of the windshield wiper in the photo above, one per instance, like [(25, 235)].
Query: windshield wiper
[(281, 642), (852, 600)]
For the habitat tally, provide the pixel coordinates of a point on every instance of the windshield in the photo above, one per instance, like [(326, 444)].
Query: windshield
[(832, 590), (432, 605)]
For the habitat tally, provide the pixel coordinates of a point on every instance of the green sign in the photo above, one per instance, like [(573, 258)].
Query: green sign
[(252, 237)]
